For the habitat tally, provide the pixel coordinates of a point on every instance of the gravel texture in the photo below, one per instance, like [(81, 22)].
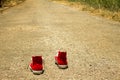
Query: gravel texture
[(41, 27)]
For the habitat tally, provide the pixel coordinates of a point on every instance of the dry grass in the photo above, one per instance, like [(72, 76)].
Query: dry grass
[(100, 12), (10, 3), (5, 4)]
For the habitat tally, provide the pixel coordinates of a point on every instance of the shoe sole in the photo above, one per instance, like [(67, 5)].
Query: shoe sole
[(36, 72), (61, 66)]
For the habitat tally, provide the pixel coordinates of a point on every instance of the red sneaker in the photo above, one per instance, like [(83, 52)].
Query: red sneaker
[(36, 66), (61, 60)]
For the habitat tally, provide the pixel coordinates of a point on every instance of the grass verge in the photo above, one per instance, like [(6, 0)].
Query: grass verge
[(104, 12), (5, 4), (10, 3)]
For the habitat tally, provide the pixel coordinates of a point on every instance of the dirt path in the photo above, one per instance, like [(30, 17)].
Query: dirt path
[(40, 27)]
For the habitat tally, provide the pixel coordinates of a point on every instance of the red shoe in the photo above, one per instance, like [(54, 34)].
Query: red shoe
[(61, 60), (36, 66)]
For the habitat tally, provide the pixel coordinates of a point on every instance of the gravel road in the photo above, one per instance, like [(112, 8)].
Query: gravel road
[(41, 27)]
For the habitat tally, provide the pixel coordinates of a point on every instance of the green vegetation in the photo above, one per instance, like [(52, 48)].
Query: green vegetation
[(112, 5), (109, 9)]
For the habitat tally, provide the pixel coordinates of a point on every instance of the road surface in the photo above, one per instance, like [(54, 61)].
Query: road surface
[(41, 27)]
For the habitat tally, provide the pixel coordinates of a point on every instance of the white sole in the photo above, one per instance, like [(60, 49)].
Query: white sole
[(61, 66), (36, 72)]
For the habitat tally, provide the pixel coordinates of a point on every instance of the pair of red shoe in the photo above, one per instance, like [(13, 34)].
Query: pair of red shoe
[(37, 62)]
